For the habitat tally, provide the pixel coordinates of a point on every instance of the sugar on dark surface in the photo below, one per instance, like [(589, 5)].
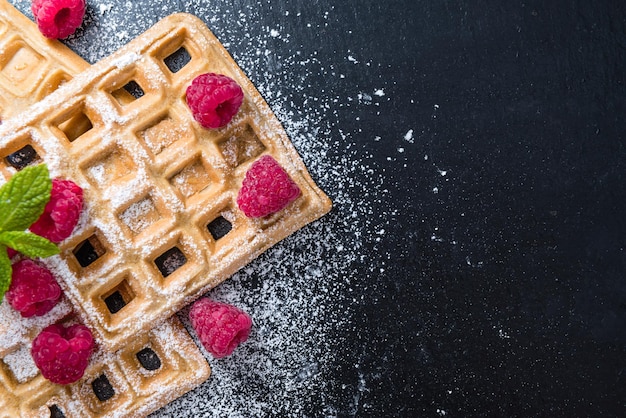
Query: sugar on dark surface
[(474, 156)]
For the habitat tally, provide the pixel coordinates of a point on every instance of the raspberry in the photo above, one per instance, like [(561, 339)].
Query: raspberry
[(214, 99), (62, 354), (61, 213), (221, 327), (33, 290), (266, 189), (58, 19)]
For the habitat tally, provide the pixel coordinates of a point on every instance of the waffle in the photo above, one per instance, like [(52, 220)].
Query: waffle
[(162, 226), (31, 67), (150, 371)]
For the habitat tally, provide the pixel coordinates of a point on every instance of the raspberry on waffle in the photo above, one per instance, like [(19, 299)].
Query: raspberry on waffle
[(214, 99), (58, 19), (61, 214), (155, 182), (146, 373), (150, 371), (33, 291), (266, 189)]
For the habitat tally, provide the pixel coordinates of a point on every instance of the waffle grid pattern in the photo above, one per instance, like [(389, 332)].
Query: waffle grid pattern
[(122, 382), (156, 182), (31, 67)]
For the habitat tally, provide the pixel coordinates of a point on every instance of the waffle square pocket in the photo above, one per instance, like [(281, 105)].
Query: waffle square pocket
[(162, 225)]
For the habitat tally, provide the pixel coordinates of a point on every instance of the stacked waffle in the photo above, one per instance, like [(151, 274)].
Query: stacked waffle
[(161, 225)]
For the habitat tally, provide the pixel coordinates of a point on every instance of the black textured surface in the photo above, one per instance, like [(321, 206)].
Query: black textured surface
[(219, 227), (55, 412), (503, 291), (86, 254), (22, 157), (170, 261), (525, 315)]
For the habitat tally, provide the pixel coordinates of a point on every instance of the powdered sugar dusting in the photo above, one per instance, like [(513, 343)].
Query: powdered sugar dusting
[(299, 292), (136, 216), (126, 60), (16, 331), (21, 364)]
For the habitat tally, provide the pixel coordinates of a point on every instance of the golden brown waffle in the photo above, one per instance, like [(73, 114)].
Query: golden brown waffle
[(150, 371), (159, 190), (30, 68), (17, 332)]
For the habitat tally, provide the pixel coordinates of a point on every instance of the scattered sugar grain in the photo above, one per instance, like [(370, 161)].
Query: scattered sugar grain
[(288, 291), (135, 216), (21, 364), (126, 60), (105, 8)]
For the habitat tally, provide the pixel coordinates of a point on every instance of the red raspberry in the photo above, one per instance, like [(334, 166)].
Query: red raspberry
[(266, 189), (33, 290), (58, 19), (221, 327), (62, 354), (61, 213), (214, 99)]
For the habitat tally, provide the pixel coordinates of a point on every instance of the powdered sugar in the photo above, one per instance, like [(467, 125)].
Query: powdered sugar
[(16, 331), (294, 290), (126, 60), (21, 364), (137, 216)]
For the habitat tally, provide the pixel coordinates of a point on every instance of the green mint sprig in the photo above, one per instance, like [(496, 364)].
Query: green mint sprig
[(22, 201)]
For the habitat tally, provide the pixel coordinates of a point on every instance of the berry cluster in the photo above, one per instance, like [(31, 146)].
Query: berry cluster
[(33, 289), (61, 354)]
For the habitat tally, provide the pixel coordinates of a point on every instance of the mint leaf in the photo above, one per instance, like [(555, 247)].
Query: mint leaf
[(24, 197), (29, 244), (5, 271)]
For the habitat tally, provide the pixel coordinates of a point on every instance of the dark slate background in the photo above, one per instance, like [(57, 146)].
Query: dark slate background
[(523, 105)]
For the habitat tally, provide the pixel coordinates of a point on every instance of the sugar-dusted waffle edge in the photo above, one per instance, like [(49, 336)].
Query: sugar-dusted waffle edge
[(261, 234), (137, 391), (31, 66)]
